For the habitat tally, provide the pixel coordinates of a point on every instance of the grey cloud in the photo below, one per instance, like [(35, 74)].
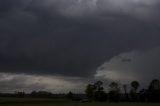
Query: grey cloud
[(141, 9), (143, 67), (68, 37), (10, 82)]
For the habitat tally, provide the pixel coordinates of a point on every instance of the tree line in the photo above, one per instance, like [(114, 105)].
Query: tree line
[(124, 93), (96, 92)]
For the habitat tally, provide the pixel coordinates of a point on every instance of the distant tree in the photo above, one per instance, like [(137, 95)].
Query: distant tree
[(143, 95), (135, 85), (98, 86), (125, 88), (114, 86), (90, 90), (99, 94), (70, 95), (96, 91), (20, 94), (133, 93), (154, 90), (41, 94), (154, 85), (114, 93)]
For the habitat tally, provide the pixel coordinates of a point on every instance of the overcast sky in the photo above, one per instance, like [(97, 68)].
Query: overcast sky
[(46, 44)]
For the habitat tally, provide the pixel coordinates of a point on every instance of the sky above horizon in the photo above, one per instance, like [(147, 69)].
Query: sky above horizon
[(62, 45)]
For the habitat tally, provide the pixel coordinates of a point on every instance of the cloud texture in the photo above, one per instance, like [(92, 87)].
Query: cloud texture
[(75, 37)]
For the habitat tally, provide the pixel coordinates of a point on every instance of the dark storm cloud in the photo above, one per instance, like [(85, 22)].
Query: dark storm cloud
[(72, 37)]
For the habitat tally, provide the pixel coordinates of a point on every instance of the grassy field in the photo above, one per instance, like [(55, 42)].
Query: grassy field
[(51, 102)]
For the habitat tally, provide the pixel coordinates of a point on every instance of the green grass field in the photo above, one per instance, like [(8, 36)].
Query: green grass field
[(51, 102)]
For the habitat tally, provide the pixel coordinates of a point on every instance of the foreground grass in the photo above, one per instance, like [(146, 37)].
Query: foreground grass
[(81, 104), (51, 102)]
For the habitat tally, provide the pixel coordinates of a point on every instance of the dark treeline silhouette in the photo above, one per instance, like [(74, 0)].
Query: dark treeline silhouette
[(33, 94), (44, 94), (124, 93), (96, 92)]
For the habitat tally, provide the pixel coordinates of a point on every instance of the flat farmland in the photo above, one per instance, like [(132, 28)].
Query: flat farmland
[(52, 102)]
